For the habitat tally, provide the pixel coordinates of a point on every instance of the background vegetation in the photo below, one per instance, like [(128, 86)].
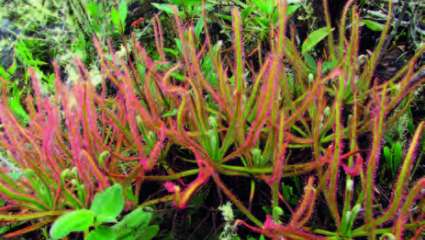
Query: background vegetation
[(191, 119)]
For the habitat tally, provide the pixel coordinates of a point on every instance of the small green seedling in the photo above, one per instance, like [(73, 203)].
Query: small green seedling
[(393, 155), (105, 209)]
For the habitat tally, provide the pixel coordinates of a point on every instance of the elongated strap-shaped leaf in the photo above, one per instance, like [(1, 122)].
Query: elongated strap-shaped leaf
[(29, 216), (372, 162)]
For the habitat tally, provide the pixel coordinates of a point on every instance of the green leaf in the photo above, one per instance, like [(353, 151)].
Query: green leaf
[(179, 44), (135, 225), (123, 11), (41, 190), (12, 69), (387, 154), (167, 8), (329, 65), (150, 232), (178, 76), (353, 216), (314, 38), (292, 8), (171, 51), (389, 158), (102, 233), (108, 204), (4, 74), (185, 3), (93, 9), (311, 63), (75, 221), (146, 233), (17, 108), (24, 53), (130, 194), (118, 16), (171, 113), (288, 193), (199, 26), (116, 21), (257, 157), (397, 156), (102, 157), (209, 70), (277, 212), (135, 219), (265, 6), (372, 25), (344, 223)]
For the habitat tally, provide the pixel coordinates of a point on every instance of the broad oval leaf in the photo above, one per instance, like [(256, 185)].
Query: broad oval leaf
[(108, 204), (314, 38), (135, 219), (75, 221), (146, 233), (102, 233), (150, 232)]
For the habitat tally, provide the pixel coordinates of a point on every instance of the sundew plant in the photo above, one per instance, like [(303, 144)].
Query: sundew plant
[(206, 115)]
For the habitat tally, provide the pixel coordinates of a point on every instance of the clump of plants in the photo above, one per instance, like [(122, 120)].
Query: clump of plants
[(199, 116)]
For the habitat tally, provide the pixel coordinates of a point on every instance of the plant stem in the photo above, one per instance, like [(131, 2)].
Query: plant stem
[(172, 177), (29, 216)]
